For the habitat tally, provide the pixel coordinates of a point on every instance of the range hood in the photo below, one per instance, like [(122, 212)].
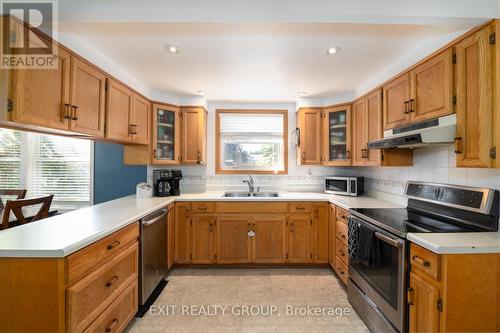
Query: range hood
[(438, 131)]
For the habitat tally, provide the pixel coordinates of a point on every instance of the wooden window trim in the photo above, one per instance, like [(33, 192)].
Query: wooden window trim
[(219, 170)]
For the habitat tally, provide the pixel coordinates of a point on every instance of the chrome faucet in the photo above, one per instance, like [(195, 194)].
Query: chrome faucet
[(250, 183)]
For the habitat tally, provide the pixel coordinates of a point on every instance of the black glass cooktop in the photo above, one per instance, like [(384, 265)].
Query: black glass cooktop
[(402, 221)]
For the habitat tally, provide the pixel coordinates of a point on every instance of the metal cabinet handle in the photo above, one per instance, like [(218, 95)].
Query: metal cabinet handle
[(113, 245), (348, 154), (412, 105), (66, 111), (421, 261), (203, 208), (291, 227), (303, 156), (458, 145), (110, 282), (341, 235), (75, 109), (342, 253), (406, 110), (410, 296), (111, 325), (211, 227), (300, 207)]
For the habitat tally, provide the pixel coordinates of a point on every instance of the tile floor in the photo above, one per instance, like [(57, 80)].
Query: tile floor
[(251, 300)]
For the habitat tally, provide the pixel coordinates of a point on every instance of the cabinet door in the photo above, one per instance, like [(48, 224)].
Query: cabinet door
[(321, 233), (141, 118), (41, 96), (337, 135), (182, 229), (431, 88), (166, 134), (269, 243), (88, 97), (396, 97), (171, 236), (474, 100), (299, 239), (374, 124), (423, 298), (118, 112), (359, 128), (309, 123), (332, 235), (194, 129), (202, 239), (233, 241)]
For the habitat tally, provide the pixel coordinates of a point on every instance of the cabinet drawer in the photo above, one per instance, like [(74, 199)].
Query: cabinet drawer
[(341, 232), (341, 270), (117, 316), (252, 207), (202, 207), (84, 261), (424, 261), (90, 296), (300, 207), (342, 215), (341, 252)]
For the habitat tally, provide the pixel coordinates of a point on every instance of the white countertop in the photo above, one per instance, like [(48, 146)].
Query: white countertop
[(64, 234), (458, 243)]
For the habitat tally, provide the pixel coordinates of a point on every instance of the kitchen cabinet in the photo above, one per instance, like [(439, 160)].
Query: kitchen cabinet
[(119, 105), (194, 135), (341, 262), (396, 96), (332, 236), (320, 233), (300, 239), (202, 239), (269, 242), (233, 239), (446, 293), (182, 229), (337, 135), (141, 120), (474, 146), (360, 130), (88, 96), (166, 134), (309, 123), (171, 236)]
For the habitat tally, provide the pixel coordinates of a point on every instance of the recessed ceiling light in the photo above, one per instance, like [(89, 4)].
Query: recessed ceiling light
[(202, 92), (332, 50), (172, 49)]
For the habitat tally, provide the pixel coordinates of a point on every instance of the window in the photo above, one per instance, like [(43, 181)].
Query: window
[(47, 164), (251, 141)]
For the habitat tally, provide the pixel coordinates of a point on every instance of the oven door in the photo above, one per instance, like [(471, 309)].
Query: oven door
[(336, 185), (383, 279)]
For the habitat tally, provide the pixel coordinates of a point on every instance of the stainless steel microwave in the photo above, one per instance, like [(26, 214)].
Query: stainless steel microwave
[(353, 186)]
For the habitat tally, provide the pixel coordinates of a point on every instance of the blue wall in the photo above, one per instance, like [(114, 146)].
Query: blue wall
[(112, 179)]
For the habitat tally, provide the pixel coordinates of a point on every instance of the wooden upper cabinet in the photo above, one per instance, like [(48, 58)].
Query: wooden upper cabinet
[(88, 96), (396, 97), (360, 132), (202, 239), (140, 120), (194, 135), (119, 105), (336, 135), (166, 134), (431, 88), (374, 126), (233, 241), (269, 243), (300, 239), (40, 96), (309, 124), (422, 298), (474, 84)]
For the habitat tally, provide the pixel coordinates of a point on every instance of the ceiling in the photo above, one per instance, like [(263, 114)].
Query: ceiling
[(243, 58)]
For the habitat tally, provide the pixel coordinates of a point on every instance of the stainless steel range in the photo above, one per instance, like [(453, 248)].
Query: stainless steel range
[(378, 249)]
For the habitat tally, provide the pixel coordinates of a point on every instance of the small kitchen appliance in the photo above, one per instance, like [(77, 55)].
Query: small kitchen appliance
[(166, 182), (351, 186)]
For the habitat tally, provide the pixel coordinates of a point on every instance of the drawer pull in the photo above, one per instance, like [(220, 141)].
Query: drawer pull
[(202, 208), (341, 235), (113, 245), (300, 207), (342, 253), (421, 261), (111, 325), (110, 282), (341, 272)]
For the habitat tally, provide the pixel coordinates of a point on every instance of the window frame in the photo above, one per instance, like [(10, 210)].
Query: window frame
[(218, 166)]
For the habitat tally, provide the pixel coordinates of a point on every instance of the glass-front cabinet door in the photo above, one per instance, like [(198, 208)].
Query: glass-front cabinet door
[(337, 131), (166, 134)]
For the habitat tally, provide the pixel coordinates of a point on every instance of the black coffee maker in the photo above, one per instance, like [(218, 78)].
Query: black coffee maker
[(166, 182)]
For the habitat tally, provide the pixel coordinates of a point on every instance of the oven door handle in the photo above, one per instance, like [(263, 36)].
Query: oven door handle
[(388, 240)]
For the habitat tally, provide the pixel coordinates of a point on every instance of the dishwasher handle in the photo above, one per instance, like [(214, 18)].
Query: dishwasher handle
[(155, 217)]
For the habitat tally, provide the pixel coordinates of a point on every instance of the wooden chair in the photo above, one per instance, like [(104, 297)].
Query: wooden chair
[(20, 194), (16, 206)]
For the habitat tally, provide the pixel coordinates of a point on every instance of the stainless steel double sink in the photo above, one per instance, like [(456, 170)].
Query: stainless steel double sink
[(251, 195)]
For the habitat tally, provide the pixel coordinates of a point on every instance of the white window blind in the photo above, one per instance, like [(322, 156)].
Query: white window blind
[(251, 141), (10, 159)]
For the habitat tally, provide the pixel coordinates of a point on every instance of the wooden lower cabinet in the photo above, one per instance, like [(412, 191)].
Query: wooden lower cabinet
[(422, 298), (233, 240), (300, 239), (202, 239), (269, 242), (320, 233), (171, 236), (182, 230)]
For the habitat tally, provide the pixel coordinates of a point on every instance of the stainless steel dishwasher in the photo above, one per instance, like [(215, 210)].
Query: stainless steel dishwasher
[(152, 258)]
